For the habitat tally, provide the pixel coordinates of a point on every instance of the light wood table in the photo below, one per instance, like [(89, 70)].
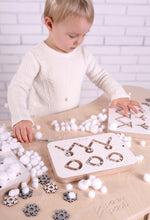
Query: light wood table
[(128, 195)]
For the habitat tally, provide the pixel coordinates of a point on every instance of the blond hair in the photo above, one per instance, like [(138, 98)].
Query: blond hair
[(59, 10)]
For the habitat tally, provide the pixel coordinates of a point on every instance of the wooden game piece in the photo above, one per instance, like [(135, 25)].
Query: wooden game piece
[(135, 125), (98, 154)]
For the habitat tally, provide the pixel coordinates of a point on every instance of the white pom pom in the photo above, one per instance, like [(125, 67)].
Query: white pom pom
[(68, 187), (38, 167), (16, 192), (103, 127), (100, 129), (23, 185), (62, 123), (113, 126), (57, 128), (34, 162), (82, 185), (94, 121), (21, 149), (104, 117), (35, 154), (11, 193), (140, 157), (73, 120), (33, 172), (29, 167), (92, 177), (103, 189), (88, 182), (74, 127), (147, 177), (14, 146), (24, 159), (104, 110), (35, 185), (68, 128), (41, 163), (39, 172), (82, 128), (63, 128), (5, 136), (97, 184), (44, 169), (20, 153), (54, 122), (38, 127), (94, 129), (25, 190), (91, 194), (93, 117), (35, 179), (72, 195), (143, 143), (38, 135)]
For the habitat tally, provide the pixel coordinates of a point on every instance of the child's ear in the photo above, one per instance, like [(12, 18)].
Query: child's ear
[(48, 23)]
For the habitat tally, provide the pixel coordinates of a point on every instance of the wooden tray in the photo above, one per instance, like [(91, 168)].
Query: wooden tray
[(77, 158), (135, 125)]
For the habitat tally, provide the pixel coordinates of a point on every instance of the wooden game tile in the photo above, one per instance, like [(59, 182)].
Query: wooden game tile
[(74, 159), (136, 125)]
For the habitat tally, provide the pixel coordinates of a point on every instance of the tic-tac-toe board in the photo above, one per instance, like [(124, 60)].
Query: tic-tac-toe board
[(136, 125), (12, 171), (77, 158)]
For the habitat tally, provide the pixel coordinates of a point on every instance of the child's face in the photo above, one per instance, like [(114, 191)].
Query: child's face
[(65, 36)]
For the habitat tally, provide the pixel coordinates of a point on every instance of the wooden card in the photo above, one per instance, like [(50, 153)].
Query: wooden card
[(136, 125), (21, 175), (74, 159)]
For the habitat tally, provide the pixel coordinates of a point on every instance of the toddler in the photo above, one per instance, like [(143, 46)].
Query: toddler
[(55, 68)]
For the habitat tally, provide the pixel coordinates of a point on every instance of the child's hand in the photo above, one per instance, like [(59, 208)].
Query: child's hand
[(126, 105), (23, 131)]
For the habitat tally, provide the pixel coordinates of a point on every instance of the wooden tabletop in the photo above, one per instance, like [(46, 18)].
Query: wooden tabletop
[(128, 196)]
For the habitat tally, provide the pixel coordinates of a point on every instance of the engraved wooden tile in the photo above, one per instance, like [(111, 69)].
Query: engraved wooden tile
[(76, 158), (137, 125)]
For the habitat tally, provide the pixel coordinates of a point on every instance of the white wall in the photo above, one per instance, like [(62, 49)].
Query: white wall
[(119, 38)]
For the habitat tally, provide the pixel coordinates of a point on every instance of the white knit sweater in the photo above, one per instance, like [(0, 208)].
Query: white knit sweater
[(55, 81)]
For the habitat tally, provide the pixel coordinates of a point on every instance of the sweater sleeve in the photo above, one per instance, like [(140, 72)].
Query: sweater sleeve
[(101, 78), (19, 87)]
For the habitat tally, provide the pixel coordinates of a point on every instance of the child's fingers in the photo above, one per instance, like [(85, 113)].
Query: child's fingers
[(125, 109), (18, 134), (113, 104), (29, 133), (133, 108), (135, 103), (24, 134)]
